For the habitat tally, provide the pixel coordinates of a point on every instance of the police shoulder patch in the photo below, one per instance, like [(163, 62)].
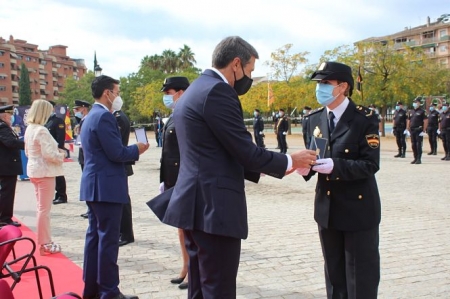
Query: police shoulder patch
[(364, 110), (315, 111), (373, 140), (61, 126)]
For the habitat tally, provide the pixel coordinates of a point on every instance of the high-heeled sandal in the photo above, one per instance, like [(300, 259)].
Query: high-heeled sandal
[(49, 248), (177, 280)]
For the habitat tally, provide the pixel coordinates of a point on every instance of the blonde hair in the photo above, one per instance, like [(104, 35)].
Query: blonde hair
[(39, 112)]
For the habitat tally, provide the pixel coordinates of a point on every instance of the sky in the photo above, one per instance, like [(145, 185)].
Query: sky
[(122, 32)]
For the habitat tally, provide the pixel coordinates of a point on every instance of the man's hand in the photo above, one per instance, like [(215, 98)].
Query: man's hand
[(142, 147), (260, 133), (438, 132), (324, 166), (406, 132), (284, 133), (303, 159), (422, 134), (161, 187)]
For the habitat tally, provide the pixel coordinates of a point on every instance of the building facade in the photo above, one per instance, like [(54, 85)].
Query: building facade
[(48, 70), (433, 37)]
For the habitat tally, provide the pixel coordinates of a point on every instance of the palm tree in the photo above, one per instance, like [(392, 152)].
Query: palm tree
[(153, 62), (186, 56), (170, 61)]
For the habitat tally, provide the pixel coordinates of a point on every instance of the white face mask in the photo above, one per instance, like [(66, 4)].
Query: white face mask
[(117, 103)]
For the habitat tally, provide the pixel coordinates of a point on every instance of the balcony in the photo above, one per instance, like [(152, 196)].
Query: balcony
[(13, 72), (41, 67), (42, 77), (15, 95), (55, 88), (13, 60), (14, 83), (444, 38)]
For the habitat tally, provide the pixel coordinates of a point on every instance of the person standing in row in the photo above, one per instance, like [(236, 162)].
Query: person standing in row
[(104, 188), (10, 165), (217, 153), (444, 131), (80, 110), (305, 120), (258, 128), (173, 88), (45, 162), (416, 124), (282, 129), (347, 205), (433, 125), (399, 128), (57, 129)]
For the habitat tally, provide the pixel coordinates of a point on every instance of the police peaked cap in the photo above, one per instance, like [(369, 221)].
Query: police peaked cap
[(7, 109), (81, 103), (332, 70), (177, 83)]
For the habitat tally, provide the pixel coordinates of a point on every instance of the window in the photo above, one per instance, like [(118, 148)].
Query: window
[(3, 76), (442, 32), (2, 53), (443, 48), (428, 34), (28, 58), (2, 88), (19, 57), (43, 62), (2, 64)]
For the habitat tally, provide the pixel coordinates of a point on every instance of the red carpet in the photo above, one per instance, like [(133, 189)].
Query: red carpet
[(67, 276)]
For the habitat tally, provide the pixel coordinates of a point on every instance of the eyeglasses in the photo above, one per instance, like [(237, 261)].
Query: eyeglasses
[(116, 95)]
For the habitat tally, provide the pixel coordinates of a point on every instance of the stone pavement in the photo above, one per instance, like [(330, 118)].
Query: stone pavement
[(281, 257)]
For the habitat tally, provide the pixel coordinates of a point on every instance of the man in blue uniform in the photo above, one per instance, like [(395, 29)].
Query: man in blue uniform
[(416, 123), (433, 125), (258, 128), (399, 129)]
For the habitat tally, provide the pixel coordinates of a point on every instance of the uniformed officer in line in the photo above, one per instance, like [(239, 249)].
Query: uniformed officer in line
[(10, 164), (347, 204), (173, 88), (444, 130), (399, 129), (282, 129), (306, 137), (433, 125), (416, 124), (80, 110), (57, 129), (258, 128)]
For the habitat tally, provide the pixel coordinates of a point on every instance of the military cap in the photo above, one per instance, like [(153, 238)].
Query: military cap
[(257, 110), (372, 106), (433, 104), (177, 83), (7, 109), (281, 110), (399, 103), (53, 103), (332, 70), (418, 100), (81, 103), (444, 104), (307, 108)]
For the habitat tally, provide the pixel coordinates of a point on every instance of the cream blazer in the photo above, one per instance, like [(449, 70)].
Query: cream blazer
[(44, 158)]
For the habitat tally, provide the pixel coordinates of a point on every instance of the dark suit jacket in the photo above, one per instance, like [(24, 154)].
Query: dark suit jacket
[(57, 129), (124, 128), (348, 198), (258, 125), (10, 146), (104, 177), (216, 151), (170, 156)]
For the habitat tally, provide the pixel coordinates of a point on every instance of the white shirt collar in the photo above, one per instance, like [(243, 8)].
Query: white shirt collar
[(219, 73), (97, 103), (339, 110)]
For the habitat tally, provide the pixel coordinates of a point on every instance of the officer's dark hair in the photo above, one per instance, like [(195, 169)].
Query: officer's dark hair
[(230, 48), (347, 92), (257, 110), (100, 84)]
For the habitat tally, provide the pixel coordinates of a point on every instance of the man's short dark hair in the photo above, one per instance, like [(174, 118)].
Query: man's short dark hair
[(230, 48), (101, 83)]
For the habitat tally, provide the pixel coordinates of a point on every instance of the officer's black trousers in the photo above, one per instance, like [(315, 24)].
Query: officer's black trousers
[(432, 138), (416, 144), (7, 193), (401, 139), (60, 188)]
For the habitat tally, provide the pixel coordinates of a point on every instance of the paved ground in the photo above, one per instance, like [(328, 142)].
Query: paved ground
[(282, 256)]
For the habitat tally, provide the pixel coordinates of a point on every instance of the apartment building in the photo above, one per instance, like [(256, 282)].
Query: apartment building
[(433, 37), (48, 70)]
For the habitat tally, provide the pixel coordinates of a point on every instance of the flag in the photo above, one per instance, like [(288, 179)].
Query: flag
[(359, 81), (270, 97), (68, 129)]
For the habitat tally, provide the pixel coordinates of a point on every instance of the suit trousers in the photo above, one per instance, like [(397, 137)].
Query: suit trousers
[(7, 193), (44, 189), (126, 223), (213, 265), (100, 269), (60, 188), (352, 263)]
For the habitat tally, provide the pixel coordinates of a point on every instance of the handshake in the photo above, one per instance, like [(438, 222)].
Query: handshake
[(305, 160)]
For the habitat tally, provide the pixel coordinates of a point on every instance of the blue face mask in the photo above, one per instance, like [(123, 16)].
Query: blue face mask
[(12, 119), (431, 108), (79, 114), (168, 101), (444, 108), (416, 105), (255, 114), (397, 107), (304, 111), (324, 94)]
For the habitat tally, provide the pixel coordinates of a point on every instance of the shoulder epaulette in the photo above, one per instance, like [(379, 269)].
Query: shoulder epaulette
[(365, 111), (116, 114), (315, 111)]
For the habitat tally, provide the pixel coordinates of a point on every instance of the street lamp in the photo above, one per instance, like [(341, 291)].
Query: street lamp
[(97, 70)]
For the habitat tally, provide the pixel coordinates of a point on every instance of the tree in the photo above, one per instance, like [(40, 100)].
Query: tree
[(77, 90), (284, 65), (24, 86), (187, 58)]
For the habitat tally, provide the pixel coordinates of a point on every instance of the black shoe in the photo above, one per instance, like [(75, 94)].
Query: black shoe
[(430, 153), (413, 161), (183, 286), (10, 222), (434, 153), (59, 200), (122, 296), (398, 156), (85, 215), (177, 280), (123, 242), (402, 156), (418, 162), (443, 158), (447, 159)]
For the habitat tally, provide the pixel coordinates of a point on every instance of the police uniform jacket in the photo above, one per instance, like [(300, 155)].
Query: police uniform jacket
[(445, 120), (258, 125), (416, 119), (400, 119), (170, 156), (57, 129), (282, 125), (10, 146), (124, 128), (305, 125), (433, 119), (347, 199)]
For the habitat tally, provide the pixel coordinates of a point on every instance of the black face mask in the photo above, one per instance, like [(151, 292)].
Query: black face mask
[(242, 85)]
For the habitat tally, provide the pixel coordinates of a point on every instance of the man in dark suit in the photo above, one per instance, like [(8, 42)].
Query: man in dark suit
[(217, 153), (10, 165), (104, 188), (173, 88), (305, 128), (282, 129), (347, 204), (57, 129), (258, 128), (126, 223)]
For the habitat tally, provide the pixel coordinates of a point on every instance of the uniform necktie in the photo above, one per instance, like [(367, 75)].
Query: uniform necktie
[(331, 117)]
